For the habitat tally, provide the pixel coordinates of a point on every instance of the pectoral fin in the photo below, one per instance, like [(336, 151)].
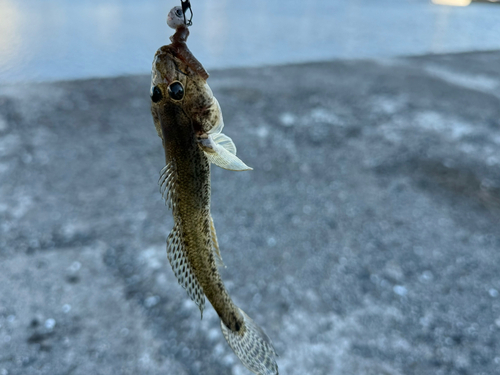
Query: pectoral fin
[(225, 141), (217, 129), (221, 151)]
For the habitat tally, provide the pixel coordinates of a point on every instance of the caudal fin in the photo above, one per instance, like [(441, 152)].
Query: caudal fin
[(253, 348)]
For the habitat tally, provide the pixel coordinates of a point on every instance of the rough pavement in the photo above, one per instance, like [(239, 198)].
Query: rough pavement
[(365, 241)]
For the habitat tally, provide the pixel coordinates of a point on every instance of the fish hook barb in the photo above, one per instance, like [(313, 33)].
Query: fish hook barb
[(186, 5)]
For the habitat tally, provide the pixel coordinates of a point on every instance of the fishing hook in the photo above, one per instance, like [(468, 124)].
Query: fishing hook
[(186, 5)]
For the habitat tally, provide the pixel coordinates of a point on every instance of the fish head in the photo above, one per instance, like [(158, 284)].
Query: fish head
[(175, 88)]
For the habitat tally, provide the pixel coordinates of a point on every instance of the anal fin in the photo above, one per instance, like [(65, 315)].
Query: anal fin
[(177, 256), (215, 245)]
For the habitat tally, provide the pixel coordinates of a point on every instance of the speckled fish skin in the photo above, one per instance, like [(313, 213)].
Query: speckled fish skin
[(192, 200), (192, 245)]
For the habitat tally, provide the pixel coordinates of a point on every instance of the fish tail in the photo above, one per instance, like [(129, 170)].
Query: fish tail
[(252, 346)]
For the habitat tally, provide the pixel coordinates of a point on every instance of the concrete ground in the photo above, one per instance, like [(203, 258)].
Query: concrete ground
[(366, 240)]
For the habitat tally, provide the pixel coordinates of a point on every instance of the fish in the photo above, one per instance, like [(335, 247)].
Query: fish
[(189, 121)]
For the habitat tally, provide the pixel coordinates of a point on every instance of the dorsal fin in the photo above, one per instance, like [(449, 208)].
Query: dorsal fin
[(167, 182), (177, 256)]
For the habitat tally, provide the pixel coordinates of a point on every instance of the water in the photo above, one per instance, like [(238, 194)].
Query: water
[(43, 40)]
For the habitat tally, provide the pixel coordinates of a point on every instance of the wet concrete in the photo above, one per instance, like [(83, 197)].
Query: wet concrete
[(365, 241)]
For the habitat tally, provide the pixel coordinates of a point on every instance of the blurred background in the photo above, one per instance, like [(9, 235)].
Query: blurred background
[(59, 39), (365, 241)]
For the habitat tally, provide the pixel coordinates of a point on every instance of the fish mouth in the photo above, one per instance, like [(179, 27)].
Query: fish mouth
[(167, 68)]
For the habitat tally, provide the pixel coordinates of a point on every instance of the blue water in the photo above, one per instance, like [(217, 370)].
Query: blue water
[(44, 40)]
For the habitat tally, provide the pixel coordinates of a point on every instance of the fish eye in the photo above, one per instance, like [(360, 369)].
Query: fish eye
[(178, 13), (176, 91), (156, 94)]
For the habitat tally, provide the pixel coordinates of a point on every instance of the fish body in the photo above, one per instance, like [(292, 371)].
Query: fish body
[(189, 121)]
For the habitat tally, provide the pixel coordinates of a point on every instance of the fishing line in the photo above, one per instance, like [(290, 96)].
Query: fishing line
[(186, 5)]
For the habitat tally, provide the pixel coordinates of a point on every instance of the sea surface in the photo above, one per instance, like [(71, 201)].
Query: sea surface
[(46, 40)]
